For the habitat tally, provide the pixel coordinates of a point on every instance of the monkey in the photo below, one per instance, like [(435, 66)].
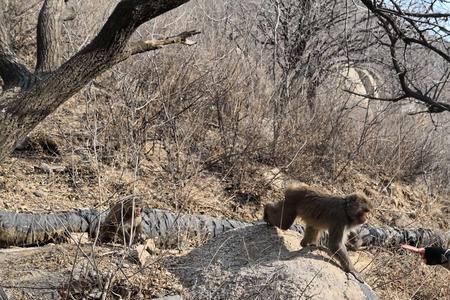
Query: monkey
[(320, 212), (123, 222)]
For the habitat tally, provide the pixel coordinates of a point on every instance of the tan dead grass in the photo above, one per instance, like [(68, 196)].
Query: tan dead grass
[(57, 269)]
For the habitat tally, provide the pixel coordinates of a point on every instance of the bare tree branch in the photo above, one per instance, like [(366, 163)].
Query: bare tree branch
[(155, 44), (393, 99), (400, 12), (397, 31)]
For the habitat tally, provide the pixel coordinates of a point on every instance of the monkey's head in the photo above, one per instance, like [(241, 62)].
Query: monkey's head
[(132, 204), (357, 207)]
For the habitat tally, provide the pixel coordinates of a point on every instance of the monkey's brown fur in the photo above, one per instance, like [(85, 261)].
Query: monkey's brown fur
[(123, 222), (320, 211)]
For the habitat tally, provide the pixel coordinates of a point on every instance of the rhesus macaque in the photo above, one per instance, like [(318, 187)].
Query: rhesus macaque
[(123, 222), (321, 212)]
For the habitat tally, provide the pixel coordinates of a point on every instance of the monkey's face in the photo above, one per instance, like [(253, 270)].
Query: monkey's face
[(137, 211), (132, 209), (362, 217)]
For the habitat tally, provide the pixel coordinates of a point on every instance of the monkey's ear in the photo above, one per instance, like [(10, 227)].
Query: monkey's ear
[(356, 196), (359, 199), (352, 199), (353, 206)]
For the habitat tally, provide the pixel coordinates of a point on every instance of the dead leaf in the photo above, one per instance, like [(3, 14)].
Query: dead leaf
[(142, 254), (150, 246)]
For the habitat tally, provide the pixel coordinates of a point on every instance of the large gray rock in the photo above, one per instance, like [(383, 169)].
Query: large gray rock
[(264, 263)]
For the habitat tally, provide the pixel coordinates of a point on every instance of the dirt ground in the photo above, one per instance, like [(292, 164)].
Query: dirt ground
[(47, 273)]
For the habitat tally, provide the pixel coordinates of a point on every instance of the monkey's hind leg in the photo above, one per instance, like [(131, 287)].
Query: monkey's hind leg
[(310, 237), (279, 214)]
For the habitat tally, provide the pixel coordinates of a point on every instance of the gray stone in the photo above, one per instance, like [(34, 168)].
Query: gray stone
[(264, 263)]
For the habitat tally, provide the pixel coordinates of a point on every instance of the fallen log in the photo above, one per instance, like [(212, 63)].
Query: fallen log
[(31, 229)]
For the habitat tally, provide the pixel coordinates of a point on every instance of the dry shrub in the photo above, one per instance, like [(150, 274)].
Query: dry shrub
[(400, 276)]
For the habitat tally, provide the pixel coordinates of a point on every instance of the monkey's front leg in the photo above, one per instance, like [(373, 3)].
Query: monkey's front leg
[(337, 247), (356, 275), (346, 264)]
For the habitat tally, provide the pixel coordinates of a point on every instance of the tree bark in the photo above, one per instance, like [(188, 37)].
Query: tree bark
[(43, 92), (48, 52)]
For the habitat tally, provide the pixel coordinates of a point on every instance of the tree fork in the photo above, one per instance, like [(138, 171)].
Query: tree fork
[(42, 93)]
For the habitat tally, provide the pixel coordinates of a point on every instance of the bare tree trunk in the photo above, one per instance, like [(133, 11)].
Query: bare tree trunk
[(48, 53), (30, 97)]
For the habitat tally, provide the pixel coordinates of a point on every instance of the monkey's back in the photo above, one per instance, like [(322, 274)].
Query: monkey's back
[(315, 207)]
